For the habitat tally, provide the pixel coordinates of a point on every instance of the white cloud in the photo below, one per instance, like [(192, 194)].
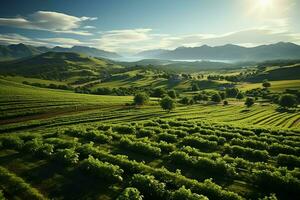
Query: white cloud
[(49, 21), (63, 42), (16, 39)]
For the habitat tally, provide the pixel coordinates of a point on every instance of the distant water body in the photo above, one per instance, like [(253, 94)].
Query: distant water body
[(135, 59)]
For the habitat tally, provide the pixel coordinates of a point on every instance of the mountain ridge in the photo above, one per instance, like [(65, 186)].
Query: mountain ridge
[(280, 50)]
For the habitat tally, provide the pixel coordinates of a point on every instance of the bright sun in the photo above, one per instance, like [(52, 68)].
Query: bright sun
[(265, 3)]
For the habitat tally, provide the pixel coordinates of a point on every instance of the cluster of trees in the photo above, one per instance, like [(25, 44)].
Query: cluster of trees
[(51, 86), (100, 169)]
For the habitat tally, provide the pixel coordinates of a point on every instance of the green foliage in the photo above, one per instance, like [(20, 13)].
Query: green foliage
[(141, 99), (100, 169), (240, 95), (159, 92), (249, 102), (17, 186), (11, 142), (288, 100), (130, 193), (167, 104), (67, 156), (172, 94), (216, 98), (140, 147), (183, 193), (150, 187)]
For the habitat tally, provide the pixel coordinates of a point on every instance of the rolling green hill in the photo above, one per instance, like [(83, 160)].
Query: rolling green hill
[(58, 66), (277, 73)]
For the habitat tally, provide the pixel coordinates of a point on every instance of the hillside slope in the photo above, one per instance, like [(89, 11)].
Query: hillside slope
[(58, 66)]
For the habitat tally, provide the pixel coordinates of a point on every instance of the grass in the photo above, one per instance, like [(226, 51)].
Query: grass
[(276, 86)]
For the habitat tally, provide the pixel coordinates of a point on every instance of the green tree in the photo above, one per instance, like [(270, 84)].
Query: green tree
[(240, 95), (266, 84), (141, 98), (225, 103), (185, 100), (172, 94), (159, 92), (167, 104), (249, 102), (216, 98), (288, 100)]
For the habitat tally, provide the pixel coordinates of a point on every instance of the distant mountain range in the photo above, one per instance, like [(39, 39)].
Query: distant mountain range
[(229, 52), (16, 51)]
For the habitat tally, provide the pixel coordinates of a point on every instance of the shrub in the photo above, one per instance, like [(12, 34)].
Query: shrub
[(124, 129), (167, 104), (141, 99), (288, 100), (150, 187), (67, 156), (288, 160), (249, 101), (18, 187), (140, 147), (101, 169), (186, 194), (38, 148), (216, 98), (167, 137), (172, 94), (199, 143), (130, 193), (240, 95), (11, 142)]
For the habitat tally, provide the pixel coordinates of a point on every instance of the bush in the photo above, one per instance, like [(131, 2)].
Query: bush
[(141, 99), (199, 143), (140, 147), (186, 194), (290, 161), (167, 137), (283, 184), (249, 101), (130, 193), (172, 94), (18, 187), (288, 100), (225, 103), (11, 142), (150, 187), (167, 104), (240, 95), (124, 129), (38, 148), (67, 156), (101, 169), (216, 98)]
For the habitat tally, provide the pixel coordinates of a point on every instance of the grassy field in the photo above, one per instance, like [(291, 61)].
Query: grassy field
[(275, 85)]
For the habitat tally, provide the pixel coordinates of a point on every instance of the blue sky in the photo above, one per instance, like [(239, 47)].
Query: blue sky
[(130, 26)]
